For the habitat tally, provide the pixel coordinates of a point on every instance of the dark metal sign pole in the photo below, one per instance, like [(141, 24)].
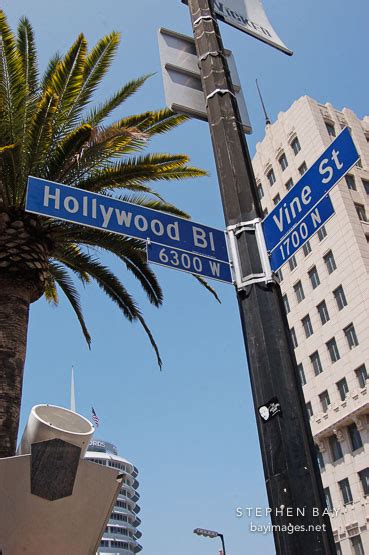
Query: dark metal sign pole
[(292, 477)]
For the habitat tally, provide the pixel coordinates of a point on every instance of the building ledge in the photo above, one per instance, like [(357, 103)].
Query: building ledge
[(341, 414)]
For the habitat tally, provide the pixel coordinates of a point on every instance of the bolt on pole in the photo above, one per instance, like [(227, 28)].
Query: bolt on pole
[(292, 476)]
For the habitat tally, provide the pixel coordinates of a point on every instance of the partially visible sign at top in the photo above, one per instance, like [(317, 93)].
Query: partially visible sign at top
[(249, 16)]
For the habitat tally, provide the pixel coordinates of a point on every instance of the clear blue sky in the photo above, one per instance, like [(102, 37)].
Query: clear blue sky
[(190, 429)]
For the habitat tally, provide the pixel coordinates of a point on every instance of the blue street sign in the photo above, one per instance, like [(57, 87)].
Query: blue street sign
[(301, 233), (330, 167), (94, 210), (189, 262)]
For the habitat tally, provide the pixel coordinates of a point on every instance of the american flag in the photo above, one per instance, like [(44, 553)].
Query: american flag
[(95, 418)]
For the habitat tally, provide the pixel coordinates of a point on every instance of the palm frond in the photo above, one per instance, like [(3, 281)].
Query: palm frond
[(111, 286), (40, 134), (12, 87), (66, 82), (51, 292), (134, 171), (27, 50), (62, 278), (151, 339), (67, 152), (105, 144), (100, 113), (131, 252), (7, 177), (207, 286), (51, 67), (97, 64), (154, 204), (154, 122), (106, 280)]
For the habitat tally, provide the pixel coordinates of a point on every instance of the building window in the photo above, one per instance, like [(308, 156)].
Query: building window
[(350, 181), (330, 128), (299, 291), (351, 336), (309, 409), (328, 499), (300, 370), (323, 312), (357, 546), (302, 168), (307, 248), (283, 162), (366, 186), (361, 375), (260, 191), (335, 447), (324, 400), (316, 363), (355, 437), (359, 163), (286, 303), (292, 262), (322, 233), (364, 478), (330, 262), (314, 277), (301, 373), (345, 491), (271, 177), (289, 185), (293, 338), (295, 145), (360, 210), (333, 350), (342, 388), (276, 199), (306, 324), (265, 212), (338, 549), (279, 275), (340, 297), (320, 459)]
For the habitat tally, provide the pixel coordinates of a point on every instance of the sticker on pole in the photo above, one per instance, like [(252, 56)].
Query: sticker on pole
[(270, 409)]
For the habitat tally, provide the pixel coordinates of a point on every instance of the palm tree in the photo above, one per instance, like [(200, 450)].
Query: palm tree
[(48, 130)]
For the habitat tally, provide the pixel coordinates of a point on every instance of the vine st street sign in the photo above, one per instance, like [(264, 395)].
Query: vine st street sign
[(303, 210), (294, 240), (107, 214)]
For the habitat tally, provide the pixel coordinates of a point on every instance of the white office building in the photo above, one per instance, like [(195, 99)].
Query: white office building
[(121, 534), (325, 288)]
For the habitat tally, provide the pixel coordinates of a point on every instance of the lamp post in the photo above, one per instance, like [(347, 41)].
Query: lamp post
[(211, 534)]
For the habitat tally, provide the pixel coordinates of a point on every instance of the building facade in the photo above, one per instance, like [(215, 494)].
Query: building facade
[(325, 289), (121, 534)]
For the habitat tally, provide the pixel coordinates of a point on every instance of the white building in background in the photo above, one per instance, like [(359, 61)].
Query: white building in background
[(121, 534), (325, 289)]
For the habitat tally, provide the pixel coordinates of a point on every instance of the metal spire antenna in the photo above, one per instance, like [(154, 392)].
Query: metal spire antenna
[(72, 393), (267, 120)]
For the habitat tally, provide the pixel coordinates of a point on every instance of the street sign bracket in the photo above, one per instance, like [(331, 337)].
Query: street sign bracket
[(219, 91), (233, 231), (205, 18)]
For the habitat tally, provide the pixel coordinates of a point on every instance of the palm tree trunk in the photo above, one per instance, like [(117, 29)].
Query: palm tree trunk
[(15, 299)]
